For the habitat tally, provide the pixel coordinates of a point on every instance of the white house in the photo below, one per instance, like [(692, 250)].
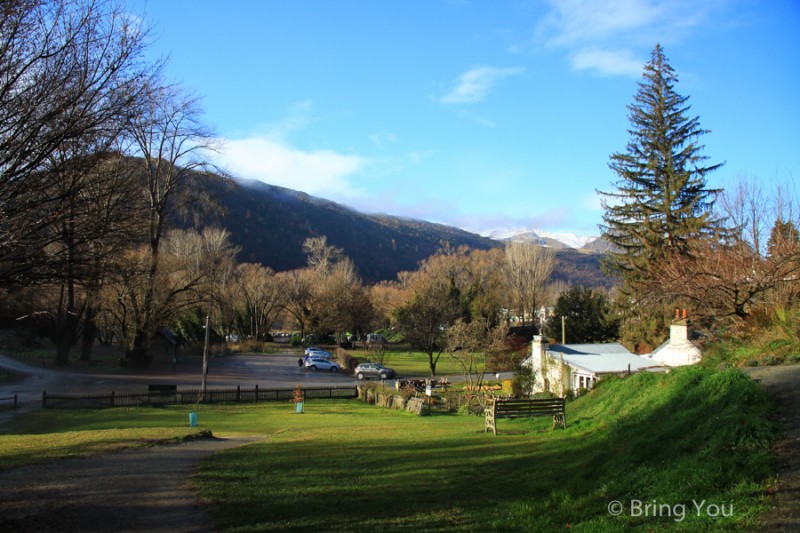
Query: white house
[(678, 350), (559, 368)]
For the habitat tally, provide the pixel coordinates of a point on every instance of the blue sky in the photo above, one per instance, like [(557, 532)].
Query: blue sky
[(485, 115)]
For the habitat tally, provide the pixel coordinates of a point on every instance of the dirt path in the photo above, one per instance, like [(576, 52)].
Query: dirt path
[(784, 383), (141, 490)]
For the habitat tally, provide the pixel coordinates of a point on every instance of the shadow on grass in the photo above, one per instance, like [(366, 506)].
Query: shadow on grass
[(691, 436)]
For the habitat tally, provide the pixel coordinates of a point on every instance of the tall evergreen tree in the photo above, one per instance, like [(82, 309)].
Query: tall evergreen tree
[(661, 199)]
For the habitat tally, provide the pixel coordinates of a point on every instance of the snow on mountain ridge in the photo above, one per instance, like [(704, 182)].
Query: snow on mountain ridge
[(571, 240)]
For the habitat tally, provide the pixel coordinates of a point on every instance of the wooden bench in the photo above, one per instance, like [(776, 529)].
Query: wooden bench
[(513, 408)]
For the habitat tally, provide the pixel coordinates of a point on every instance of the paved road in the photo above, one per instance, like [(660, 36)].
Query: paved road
[(266, 371)]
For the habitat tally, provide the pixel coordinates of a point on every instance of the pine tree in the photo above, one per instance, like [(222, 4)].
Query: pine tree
[(661, 199)]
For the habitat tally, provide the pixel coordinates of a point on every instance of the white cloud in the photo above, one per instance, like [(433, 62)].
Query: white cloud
[(266, 155), (381, 140), (473, 85), (581, 21), (318, 172), (607, 62), (614, 37)]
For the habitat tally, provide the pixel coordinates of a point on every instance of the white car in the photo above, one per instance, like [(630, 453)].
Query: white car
[(320, 363)]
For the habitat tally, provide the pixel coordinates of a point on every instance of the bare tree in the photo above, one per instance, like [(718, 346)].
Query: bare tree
[(86, 242), (473, 345), (321, 256), (189, 264), (260, 296), (341, 302), (174, 147), (747, 212), (529, 268), (386, 297), (297, 295), (71, 73), (721, 280)]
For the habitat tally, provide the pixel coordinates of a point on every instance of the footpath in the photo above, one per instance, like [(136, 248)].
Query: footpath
[(783, 382), (138, 490)]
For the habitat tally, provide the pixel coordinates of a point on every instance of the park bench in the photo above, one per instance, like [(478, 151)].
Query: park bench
[(522, 408), (11, 399)]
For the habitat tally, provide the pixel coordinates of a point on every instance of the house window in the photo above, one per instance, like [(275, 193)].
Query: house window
[(581, 383)]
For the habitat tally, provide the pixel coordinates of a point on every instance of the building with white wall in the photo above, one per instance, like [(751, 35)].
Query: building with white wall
[(678, 350), (559, 368)]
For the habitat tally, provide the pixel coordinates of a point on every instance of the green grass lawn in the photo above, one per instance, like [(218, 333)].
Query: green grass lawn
[(408, 363), (694, 436)]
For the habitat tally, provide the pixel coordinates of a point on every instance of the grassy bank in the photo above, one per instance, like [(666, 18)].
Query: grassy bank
[(766, 339), (692, 437)]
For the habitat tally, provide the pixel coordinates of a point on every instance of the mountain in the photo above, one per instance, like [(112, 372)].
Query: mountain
[(545, 238), (599, 245), (270, 224)]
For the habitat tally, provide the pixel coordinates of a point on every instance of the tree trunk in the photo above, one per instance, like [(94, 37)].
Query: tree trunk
[(89, 334), (139, 354)]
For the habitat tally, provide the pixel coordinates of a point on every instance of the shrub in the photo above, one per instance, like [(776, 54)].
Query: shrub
[(347, 362)]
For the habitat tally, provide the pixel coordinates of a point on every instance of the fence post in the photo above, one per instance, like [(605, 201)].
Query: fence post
[(44, 399), (256, 392), (238, 394), (112, 398)]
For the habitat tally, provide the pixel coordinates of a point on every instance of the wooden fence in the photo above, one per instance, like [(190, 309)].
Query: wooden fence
[(189, 396)]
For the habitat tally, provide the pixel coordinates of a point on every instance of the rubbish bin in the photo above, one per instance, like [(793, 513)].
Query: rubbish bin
[(193, 419)]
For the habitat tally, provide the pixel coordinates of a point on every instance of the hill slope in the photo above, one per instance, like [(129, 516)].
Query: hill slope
[(270, 223)]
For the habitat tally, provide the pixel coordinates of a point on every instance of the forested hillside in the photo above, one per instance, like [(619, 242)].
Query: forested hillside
[(270, 223)]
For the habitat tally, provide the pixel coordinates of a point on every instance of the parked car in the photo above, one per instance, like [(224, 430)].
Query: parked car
[(320, 363), (373, 370), (313, 351)]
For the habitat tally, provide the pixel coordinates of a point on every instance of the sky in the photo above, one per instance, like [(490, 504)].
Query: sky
[(485, 115)]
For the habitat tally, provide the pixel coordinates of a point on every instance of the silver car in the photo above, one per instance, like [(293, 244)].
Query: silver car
[(373, 370), (320, 363)]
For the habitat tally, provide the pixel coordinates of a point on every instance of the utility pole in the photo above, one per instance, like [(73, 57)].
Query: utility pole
[(563, 330), (204, 383)]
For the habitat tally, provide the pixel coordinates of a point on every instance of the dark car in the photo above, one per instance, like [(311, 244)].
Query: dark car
[(373, 370)]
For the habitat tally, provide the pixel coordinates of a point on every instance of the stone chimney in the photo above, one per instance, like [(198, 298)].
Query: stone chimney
[(678, 351), (539, 347), (679, 329), (539, 365)]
